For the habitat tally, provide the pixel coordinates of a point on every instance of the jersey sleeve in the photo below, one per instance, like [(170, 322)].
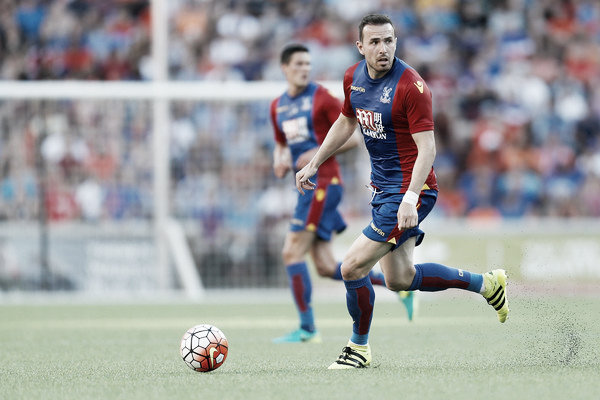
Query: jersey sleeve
[(418, 104), (347, 109), (279, 135), (327, 104)]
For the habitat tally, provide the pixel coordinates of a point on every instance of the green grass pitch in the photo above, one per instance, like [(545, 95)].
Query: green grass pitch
[(455, 349)]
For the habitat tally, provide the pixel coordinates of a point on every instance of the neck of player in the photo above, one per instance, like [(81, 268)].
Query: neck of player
[(295, 90)]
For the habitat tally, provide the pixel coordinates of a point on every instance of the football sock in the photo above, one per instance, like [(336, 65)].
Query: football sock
[(360, 298), (300, 284), (432, 277), (376, 277), (337, 275)]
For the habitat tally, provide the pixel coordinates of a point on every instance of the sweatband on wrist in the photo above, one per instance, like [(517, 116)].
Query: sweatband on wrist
[(410, 197)]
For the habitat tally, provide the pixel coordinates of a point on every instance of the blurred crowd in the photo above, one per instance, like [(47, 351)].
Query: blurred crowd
[(515, 82), (74, 39), (85, 160)]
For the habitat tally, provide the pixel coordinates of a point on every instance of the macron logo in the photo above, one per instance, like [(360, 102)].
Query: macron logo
[(376, 229), (419, 86)]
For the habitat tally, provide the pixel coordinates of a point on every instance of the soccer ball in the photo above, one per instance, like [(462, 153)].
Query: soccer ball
[(204, 348)]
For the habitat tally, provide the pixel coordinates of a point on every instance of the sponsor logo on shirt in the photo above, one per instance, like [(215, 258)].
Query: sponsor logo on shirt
[(357, 89), (370, 123), (296, 130)]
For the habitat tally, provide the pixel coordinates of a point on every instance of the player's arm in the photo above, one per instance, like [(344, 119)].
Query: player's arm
[(332, 110), (282, 160), (341, 130), (351, 143), (407, 212)]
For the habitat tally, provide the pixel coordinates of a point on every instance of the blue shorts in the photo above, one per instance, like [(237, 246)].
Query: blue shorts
[(316, 211), (384, 225)]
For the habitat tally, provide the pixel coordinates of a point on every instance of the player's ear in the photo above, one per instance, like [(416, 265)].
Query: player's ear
[(359, 47)]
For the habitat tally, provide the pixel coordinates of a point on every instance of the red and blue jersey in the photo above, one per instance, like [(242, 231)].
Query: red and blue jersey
[(302, 122), (389, 110)]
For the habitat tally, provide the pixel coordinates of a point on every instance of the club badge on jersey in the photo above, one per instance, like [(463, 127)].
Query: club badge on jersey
[(385, 97)]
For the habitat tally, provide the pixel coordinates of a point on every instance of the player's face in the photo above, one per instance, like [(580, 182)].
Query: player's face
[(297, 71), (379, 47)]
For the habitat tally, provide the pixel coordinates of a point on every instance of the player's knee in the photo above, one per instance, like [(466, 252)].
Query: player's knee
[(398, 285), (350, 270), (401, 281), (290, 255), (324, 268)]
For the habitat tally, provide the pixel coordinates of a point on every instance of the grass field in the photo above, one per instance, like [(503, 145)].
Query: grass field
[(456, 349)]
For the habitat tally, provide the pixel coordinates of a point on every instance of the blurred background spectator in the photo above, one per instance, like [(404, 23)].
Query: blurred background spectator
[(515, 83)]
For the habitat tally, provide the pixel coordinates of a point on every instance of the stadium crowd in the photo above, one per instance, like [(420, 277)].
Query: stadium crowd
[(515, 83)]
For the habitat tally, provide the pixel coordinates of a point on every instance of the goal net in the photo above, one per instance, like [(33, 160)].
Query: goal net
[(137, 187)]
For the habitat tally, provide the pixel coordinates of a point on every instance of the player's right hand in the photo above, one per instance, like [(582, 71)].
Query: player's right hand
[(282, 161), (303, 178)]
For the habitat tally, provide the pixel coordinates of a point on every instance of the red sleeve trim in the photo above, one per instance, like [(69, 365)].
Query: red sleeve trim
[(279, 135), (347, 109), (328, 103), (417, 102)]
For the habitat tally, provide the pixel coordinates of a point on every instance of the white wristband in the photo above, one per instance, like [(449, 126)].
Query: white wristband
[(410, 197)]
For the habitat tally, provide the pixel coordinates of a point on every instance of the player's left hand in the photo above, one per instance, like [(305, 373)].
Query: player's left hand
[(407, 216), (303, 178)]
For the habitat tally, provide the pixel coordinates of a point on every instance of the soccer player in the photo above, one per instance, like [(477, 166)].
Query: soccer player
[(393, 107), (301, 118)]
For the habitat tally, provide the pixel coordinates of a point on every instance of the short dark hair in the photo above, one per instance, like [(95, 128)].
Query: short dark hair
[(290, 49), (372, 19)]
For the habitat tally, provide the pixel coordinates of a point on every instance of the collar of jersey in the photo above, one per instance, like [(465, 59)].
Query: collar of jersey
[(306, 89), (394, 66)]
